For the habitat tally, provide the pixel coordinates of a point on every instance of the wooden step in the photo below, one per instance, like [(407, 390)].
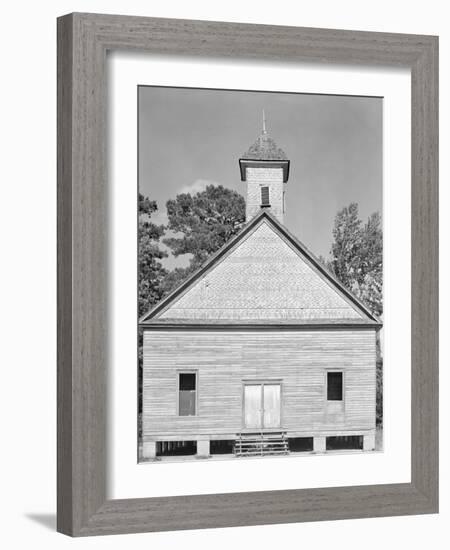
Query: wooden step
[(271, 453), (261, 444)]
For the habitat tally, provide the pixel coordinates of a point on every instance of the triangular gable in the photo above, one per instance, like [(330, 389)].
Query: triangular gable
[(263, 274)]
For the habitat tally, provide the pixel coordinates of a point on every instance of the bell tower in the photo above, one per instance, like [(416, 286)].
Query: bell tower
[(265, 169)]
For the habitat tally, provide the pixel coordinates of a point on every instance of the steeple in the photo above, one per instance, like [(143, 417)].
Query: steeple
[(265, 169)]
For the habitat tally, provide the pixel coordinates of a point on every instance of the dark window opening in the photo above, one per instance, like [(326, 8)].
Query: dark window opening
[(176, 448), (334, 386), (344, 442), (300, 444), (187, 389), (221, 446), (265, 196)]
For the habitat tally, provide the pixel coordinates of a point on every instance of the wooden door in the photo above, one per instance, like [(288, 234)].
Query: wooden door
[(271, 405), (262, 404), (253, 406)]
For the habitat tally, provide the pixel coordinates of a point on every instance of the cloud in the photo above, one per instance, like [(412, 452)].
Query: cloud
[(197, 186)]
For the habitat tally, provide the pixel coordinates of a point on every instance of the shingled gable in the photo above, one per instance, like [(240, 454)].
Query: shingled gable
[(307, 293)]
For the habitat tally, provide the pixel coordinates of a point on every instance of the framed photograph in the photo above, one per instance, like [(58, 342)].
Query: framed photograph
[(247, 274)]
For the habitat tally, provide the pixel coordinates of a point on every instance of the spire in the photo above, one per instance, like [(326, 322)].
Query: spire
[(265, 169), (265, 147)]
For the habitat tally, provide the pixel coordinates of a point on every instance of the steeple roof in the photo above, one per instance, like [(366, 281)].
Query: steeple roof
[(265, 148)]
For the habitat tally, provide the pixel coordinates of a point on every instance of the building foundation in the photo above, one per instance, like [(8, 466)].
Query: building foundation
[(319, 444), (369, 442), (203, 448), (149, 449)]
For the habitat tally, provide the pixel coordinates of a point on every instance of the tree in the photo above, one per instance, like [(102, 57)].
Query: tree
[(371, 284), (346, 247), (357, 261), (357, 256), (174, 278), (151, 270), (151, 273), (201, 224)]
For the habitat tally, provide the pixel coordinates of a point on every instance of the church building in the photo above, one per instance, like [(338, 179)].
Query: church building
[(262, 351)]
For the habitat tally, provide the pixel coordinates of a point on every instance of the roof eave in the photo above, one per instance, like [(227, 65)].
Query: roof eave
[(261, 324), (203, 268), (264, 163), (313, 258)]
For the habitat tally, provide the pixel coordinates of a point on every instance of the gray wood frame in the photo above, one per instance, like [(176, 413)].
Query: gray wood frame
[(83, 40)]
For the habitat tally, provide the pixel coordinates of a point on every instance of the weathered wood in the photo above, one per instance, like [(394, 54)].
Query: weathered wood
[(65, 451), (82, 273), (425, 272), (83, 40), (298, 360)]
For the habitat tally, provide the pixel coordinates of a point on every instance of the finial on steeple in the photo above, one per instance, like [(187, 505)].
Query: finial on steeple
[(264, 122)]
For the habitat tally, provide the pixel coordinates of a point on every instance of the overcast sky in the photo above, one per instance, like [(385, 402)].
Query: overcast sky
[(191, 137)]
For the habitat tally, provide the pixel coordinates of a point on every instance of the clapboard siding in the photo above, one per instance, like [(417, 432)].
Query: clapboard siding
[(223, 359), (267, 177)]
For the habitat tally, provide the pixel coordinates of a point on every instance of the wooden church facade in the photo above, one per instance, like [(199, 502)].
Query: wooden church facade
[(261, 351)]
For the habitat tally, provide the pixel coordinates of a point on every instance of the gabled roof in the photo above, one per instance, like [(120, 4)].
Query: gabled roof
[(304, 292)]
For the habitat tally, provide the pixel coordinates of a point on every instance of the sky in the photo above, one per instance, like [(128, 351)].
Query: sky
[(190, 137)]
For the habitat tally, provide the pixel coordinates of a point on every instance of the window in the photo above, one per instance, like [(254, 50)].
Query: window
[(334, 386), (265, 196), (187, 393)]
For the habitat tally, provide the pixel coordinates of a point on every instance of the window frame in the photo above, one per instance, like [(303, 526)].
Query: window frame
[(334, 406), (263, 204), (335, 371), (179, 372)]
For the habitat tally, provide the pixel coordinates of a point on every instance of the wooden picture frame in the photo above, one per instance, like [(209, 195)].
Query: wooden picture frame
[(83, 40)]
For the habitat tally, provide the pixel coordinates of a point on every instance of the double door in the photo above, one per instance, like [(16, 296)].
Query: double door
[(262, 406)]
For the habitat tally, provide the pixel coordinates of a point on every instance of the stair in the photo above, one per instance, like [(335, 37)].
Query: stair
[(261, 444)]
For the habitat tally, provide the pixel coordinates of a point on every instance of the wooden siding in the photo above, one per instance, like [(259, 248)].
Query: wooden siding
[(272, 179), (262, 278), (224, 359)]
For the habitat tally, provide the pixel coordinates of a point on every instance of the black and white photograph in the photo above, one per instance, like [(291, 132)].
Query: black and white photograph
[(228, 233), (260, 265)]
